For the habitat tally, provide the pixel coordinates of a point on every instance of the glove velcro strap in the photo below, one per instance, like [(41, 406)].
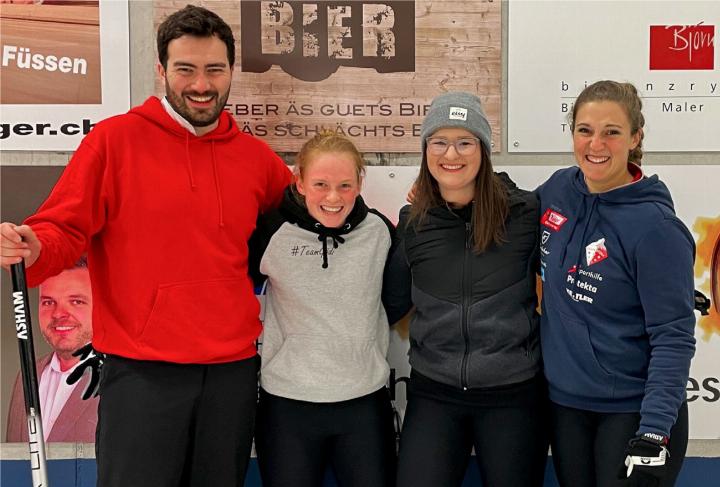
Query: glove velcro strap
[(655, 439), (644, 461)]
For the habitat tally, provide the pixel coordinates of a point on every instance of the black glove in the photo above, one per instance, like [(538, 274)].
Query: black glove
[(645, 458), (92, 360), (702, 303)]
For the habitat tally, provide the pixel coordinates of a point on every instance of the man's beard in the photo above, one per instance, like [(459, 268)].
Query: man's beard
[(197, 118)]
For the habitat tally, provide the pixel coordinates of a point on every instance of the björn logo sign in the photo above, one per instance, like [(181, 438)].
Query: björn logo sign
[(682, 47)]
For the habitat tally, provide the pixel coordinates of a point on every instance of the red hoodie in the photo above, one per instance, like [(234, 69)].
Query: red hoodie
[(165, 217)]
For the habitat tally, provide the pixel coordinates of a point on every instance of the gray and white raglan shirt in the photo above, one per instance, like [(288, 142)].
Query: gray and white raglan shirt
[(326, 332)]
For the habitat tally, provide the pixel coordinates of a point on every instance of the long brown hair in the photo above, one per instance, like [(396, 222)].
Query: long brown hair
[(489, 206)]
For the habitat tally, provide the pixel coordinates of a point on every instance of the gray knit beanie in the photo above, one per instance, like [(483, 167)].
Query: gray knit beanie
[(457, 109)]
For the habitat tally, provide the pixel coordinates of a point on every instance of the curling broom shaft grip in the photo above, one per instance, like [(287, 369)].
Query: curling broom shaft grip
[(23, 330)]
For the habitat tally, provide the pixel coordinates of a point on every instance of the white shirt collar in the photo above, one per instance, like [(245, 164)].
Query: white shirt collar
[(176, 116)]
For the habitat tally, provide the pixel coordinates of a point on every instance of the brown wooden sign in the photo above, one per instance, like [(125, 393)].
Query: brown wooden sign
[(50, 54), (366, 68)]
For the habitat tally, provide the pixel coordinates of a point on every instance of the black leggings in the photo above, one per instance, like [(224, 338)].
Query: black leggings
[(511, 444), (588, 447), (297, 440)]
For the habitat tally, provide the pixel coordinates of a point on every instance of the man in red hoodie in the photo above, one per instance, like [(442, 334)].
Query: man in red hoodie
[(164, 199)]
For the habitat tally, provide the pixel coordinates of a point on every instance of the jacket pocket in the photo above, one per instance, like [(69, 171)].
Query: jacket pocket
[(571, 361), (435, 323), (201, 321)]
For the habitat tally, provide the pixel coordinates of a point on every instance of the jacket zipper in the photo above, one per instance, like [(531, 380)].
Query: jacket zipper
[(465, 307)]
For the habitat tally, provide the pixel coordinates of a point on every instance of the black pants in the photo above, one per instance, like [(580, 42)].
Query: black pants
[(511, 444), (296, 441), (170, 425), (588, 448)]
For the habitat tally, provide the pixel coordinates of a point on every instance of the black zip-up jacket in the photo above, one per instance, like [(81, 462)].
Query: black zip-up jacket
[(475, 323)]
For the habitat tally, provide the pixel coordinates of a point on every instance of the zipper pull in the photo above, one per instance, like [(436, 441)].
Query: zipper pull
[(467, 235)]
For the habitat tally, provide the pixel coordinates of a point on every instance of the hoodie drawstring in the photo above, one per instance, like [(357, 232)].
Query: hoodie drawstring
[(188, 161), (578, 257), (216, 177), (323, 235), (217, 184)]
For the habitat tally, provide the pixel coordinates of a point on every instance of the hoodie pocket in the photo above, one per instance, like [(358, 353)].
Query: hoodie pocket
[(571, 362), (201, 321)]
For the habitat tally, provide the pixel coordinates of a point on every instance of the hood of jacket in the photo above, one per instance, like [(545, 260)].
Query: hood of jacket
[(515, 196), (296, 213), (647, 189), (154, 112)]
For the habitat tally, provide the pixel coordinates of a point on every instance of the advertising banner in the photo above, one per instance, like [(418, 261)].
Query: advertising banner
[(368, 69), (666, 49), (64, 67)]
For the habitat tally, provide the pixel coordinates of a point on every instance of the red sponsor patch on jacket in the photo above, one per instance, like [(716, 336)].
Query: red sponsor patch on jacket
[(552, 219)]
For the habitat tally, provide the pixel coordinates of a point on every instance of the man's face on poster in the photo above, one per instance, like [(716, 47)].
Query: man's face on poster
[(66, 311)]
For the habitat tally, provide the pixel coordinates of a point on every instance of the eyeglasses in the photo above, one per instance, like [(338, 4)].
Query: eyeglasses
[(465, 146)]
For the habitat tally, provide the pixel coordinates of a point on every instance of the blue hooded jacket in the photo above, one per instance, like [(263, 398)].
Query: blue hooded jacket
[(617, 328)]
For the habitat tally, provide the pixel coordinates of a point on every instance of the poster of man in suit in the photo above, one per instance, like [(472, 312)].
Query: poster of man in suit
[(65, 319)]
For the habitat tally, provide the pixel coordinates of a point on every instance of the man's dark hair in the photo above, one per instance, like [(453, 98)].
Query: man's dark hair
[(194, 21)]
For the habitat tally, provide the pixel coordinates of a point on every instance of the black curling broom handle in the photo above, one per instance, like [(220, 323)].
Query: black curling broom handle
[(23, 328)]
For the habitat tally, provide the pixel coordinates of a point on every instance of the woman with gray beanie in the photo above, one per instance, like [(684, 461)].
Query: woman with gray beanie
[(466, 259)]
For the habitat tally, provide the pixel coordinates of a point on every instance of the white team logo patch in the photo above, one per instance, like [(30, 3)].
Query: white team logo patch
[(596, 252), (545, 237), (457, 113)]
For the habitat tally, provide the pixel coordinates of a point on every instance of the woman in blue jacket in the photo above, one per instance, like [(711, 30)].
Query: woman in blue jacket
[(617, 323)]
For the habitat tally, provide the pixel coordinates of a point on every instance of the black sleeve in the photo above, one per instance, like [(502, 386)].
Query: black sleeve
[(397, 279), (535, 257), (266, 226)]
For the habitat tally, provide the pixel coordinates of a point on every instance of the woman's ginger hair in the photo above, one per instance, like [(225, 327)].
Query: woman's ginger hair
[(327, 141), (324, 142)]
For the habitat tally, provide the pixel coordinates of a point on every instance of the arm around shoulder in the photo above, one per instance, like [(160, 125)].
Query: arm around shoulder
[(397, 280)]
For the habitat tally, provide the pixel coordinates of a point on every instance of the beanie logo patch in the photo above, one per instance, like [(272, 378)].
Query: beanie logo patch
[(457, 113)]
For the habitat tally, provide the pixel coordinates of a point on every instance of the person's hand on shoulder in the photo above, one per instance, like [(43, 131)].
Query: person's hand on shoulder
[(18, 242)]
